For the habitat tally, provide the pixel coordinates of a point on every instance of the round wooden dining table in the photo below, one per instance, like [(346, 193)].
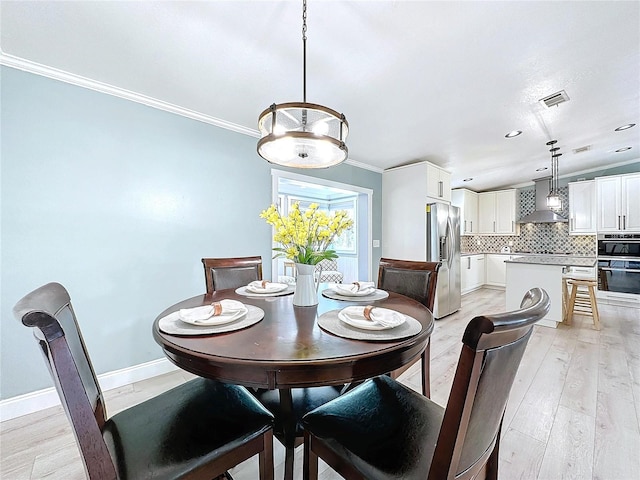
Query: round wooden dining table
[(288, 350)]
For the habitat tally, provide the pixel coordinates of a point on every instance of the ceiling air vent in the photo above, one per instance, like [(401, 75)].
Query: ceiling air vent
[(582, 149), (555, 98)]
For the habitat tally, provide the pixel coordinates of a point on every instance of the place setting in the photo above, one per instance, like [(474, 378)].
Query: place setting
[(355, 292), (264, 288), (369, 323), (219, 317)]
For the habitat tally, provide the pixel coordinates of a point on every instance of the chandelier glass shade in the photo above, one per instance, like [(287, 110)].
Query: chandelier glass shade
[(301, 134)]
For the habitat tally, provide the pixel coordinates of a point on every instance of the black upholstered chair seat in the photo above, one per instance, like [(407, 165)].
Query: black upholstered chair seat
[(383, 429), (182, 431), (195, 431)]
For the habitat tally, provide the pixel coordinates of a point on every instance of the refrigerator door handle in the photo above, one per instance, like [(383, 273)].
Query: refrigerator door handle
[(450, 246)]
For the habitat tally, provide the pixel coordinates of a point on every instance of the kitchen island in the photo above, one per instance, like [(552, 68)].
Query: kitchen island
[(544, 271)]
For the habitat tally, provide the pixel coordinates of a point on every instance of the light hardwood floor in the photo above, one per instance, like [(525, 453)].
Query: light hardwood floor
[(574, 410)]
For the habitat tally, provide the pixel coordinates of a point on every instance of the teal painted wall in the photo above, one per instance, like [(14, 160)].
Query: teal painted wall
[(119, 202)]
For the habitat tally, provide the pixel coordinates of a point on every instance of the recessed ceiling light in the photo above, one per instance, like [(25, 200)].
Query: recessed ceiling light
[(541, 169), (623, 149), (513, 133), (468, 179), (625, 127)]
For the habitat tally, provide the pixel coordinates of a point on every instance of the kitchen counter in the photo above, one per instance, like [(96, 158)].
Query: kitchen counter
[(541, 271), (557, 260)]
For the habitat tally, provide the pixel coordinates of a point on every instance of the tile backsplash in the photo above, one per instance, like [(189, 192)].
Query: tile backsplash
[(535, 237)]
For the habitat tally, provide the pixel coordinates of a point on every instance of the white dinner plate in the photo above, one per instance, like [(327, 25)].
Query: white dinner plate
[(271, 288), (364, 324), (217, 320)]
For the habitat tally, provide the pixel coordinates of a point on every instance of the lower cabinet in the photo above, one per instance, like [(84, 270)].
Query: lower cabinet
[(472, 272), (496, 269)]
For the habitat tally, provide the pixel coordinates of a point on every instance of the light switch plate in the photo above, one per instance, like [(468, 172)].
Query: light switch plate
[(376, 243)]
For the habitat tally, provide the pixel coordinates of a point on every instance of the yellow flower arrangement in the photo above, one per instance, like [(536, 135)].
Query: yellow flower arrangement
[(305, 237)]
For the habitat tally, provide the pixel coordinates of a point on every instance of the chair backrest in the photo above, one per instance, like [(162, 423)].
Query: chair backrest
[(223, 273), (416, 280), (493, 346), (327, 265), (49, 313)]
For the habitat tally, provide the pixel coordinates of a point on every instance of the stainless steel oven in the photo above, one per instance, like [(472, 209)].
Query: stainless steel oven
[(619, 262)]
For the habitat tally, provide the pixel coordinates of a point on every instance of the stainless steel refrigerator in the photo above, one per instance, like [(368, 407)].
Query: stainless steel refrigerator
[(443, 245)]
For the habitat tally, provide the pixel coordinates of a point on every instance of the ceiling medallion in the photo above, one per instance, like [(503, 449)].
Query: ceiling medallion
[(301, 134)]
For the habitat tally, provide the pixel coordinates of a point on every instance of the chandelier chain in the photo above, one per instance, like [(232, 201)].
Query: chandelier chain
[(304, 53), (304, 19)]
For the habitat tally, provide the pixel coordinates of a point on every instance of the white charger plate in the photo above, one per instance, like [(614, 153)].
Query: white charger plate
[(172, 325)]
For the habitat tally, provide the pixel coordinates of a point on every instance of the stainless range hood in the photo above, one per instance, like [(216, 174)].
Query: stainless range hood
[(542, 213)]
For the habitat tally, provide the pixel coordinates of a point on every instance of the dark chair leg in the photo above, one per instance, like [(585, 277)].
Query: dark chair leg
[(492, 462), (310, 467), (265, 458), (426, 370)]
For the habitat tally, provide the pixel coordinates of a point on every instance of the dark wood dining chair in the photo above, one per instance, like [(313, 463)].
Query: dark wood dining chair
[(197, 430), (383, 430), (223, 273), (287, 405), (416, 280)]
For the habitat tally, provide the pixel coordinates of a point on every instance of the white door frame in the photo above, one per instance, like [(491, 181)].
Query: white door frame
[(278, 174)]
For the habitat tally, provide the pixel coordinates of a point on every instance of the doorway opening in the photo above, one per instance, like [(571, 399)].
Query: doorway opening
[(353, 247)]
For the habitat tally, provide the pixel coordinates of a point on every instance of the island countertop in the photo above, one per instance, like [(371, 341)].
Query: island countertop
[(559, 260)]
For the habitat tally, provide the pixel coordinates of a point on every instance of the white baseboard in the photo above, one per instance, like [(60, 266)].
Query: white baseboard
[(48, 397)]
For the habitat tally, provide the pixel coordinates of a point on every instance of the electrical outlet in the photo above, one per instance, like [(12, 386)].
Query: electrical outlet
[(511, 243), (478, 242), (376, 243)]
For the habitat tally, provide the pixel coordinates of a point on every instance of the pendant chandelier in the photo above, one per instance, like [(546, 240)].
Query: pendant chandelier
[(301, 134), (553, 199)]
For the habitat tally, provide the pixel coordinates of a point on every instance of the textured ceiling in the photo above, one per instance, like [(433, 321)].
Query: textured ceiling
[(437, 81)]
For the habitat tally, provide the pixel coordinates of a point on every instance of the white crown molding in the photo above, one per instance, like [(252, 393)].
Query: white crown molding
[(50, 72), (365, 166), (39, 400), (45, 71), (581, 172)]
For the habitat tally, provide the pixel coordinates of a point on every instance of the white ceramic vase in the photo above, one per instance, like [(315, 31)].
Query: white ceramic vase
[(306, 294)]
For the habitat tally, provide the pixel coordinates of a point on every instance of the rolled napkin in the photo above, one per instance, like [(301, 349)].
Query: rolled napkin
[(217, 313), (371, 317), (264, 286), (355, 289)]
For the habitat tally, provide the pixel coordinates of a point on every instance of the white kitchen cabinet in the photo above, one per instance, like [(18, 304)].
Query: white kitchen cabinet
[(497, 212), (617, 199), (405, 195), (472, 272), (438, 183), (582, 207), (496, 269), (467, 202)]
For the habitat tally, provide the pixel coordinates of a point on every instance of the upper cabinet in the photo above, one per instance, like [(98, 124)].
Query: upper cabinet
[(438, 183), (617, 200), (405, 194), (467, 202), (497, 212), (582, 208)]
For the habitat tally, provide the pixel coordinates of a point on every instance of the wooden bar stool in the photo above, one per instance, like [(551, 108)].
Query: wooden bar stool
[(582, 300)]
